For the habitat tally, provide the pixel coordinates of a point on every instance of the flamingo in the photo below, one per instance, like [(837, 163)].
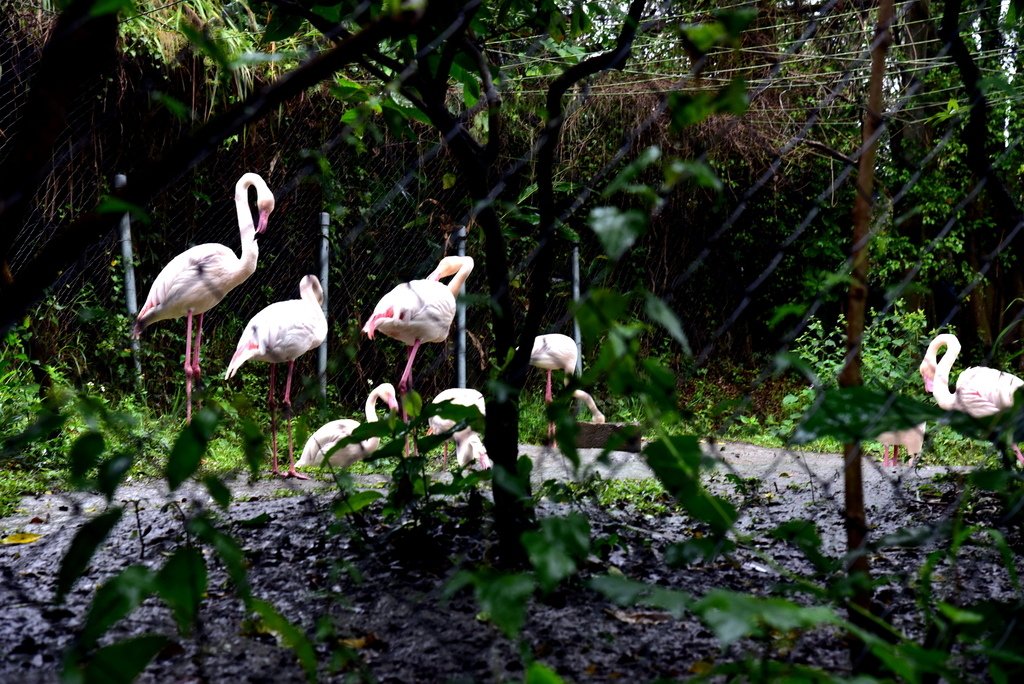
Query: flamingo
[(912, 439), (979, 392), (420, 311), (281, 332), (197, 279), (598, 417), (550, 353), (324, 439), (468, 446)]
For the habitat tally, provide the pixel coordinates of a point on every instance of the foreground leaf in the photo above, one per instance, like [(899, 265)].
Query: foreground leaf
[(181, 583), (88, 538), (21, 538), (119, 663)]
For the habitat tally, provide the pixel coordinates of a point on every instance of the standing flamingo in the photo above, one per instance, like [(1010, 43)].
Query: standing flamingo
[(281, 332), (468, 446), (420, 311), (911, 439), (979, 392), (324, 439), (197, 279), (550, 353)]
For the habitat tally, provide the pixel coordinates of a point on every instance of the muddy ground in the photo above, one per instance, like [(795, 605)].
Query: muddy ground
[(376, 591)]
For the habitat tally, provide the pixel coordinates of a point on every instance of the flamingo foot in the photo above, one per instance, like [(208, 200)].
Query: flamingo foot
[(292, 472)]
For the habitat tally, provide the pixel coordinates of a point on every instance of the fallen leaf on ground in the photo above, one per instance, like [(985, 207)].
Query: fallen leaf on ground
[(21, 538)]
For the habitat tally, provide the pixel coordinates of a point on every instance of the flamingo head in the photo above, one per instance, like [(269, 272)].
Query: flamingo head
[(927, 370), (371, 325), (265, 205), (389, 397), (309, 287)]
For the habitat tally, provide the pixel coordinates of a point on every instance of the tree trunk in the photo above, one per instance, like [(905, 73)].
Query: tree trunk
[(861, 608)]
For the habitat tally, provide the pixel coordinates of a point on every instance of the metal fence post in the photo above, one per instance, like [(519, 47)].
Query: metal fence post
[(325, 247), (460, 336), (130, 296), (576, 300)]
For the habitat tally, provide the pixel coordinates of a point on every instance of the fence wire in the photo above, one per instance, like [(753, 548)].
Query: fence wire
[(396, 213)]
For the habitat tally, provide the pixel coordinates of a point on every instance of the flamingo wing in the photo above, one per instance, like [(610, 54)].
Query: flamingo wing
[(418, 310), (983, 391), (326, 437), (197, 279)]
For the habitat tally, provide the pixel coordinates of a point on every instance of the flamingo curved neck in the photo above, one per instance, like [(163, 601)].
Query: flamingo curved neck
[(940, 389), (371, 407), (246, 227)]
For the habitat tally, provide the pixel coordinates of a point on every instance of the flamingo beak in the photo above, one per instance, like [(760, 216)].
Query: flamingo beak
[(928, 384), (369, 327), (261, 227)]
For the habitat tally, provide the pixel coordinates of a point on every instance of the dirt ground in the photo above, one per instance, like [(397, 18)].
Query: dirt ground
[(377, 591)]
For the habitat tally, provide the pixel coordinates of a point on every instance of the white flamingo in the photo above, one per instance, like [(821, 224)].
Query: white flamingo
[(197, 279), (420, 311), (281, 332), (324, 439), (597, 416), (554, 352), (469, 448), (979, 391), (911, 439)]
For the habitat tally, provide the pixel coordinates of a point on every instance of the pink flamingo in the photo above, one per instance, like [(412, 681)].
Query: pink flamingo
[(197, 279), (281, 332), (550, 353), (911, 439), (420, 311), (979, 391), (468, 446), (324, 439)]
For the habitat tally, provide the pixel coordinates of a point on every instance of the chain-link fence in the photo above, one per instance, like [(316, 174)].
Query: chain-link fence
[(394, 207)]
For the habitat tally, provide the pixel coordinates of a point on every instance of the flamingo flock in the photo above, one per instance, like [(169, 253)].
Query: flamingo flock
[(416, 312)]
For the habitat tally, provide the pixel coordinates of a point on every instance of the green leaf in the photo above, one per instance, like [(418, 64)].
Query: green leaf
[(960, 616), (189, 448), (230, 553), (114, 205), (256, 521), (122, 662), (733, 616), (616, 229), (293, 637), (539, 673), (85, 454), (281, 25), (803, 534), (632, 170), (448, 181), (181, 583), (357, 502), (111, 474), (219, 492), (504, 598), (659, 312), (254, 445), (679, 170), (557, 547), (101, 7), (626, 592), (88, 538), (115, 599), (677, 460)]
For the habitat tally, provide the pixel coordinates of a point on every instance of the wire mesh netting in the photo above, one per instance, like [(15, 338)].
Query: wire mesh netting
[(743, 236)]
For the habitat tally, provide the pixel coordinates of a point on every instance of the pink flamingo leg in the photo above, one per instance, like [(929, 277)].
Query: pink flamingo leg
[(548, 396), (272, 404), (1020, 456), (885, 455), (288, 411), (405, 383), (196, 370), (188, 367), (895, 454)]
